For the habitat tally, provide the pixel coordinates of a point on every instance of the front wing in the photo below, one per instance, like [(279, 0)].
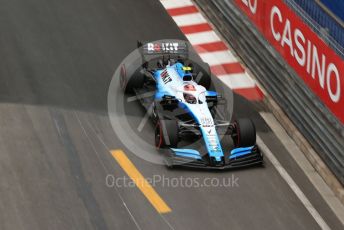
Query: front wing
[(238, 158)]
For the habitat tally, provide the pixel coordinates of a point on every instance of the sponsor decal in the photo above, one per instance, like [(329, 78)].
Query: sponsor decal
[(251, 4), (166, 47), (207, 122), (306, 53), (213, 143), (315, 62), (165, 77), (216, 149)]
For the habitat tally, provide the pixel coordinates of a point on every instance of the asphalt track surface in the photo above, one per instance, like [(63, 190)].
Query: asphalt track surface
[(57, 58)]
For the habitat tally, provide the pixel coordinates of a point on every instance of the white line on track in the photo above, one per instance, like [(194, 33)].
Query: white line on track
[(313, 176), (107, 171), (117, 190), (294, 187)]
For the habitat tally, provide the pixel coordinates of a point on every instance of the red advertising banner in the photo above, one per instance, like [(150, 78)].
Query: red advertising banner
[(315, 62)]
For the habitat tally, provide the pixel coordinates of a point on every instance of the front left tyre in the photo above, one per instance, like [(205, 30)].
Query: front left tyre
[(130, 79)]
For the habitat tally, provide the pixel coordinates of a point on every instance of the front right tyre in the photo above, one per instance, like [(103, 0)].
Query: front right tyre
[(166, 134), (245, 133)]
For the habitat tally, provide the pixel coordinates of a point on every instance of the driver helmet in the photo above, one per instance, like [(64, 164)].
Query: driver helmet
[(189, 98)]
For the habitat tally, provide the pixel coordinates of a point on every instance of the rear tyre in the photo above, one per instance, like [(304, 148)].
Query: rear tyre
[(245, 133), (166, 134), (130, 79)]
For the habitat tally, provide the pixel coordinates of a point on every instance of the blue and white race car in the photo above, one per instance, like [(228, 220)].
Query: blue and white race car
[(187, 130)]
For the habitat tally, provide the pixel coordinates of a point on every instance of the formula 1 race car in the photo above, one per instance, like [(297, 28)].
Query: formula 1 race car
[(176, 93)]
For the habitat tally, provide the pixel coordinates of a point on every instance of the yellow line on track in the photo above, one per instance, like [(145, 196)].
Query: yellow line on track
[(147, 190)]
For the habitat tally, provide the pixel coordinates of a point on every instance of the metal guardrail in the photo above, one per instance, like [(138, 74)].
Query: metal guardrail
[(323, 131), (317, 28)]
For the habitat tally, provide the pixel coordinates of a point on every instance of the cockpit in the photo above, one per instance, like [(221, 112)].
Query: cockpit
[(192, 99)]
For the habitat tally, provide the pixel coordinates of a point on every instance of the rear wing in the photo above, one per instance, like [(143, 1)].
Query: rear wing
[(165, 48)]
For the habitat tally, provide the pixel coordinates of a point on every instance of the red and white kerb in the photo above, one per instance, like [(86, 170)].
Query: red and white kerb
[(211, 48)]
